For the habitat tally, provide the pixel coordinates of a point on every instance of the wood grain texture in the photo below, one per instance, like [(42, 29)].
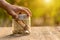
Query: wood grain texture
[(37, 33)]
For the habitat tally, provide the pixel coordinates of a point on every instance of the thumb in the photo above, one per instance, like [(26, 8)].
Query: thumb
[(13, 14)]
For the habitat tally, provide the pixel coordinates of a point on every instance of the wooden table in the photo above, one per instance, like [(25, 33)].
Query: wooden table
[(37, 33)]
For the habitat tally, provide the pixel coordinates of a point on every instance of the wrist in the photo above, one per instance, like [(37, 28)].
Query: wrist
[(1, 0), (4, 4)]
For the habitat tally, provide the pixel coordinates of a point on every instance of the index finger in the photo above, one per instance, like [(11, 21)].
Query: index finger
[(28, 11)]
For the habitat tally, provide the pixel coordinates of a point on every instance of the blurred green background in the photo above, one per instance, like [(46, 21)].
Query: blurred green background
[(44, 12)]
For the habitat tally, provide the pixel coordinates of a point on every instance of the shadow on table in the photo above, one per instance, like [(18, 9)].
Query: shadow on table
[(13, 36)]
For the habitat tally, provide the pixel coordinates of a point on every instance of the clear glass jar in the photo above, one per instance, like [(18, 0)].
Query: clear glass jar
[(19, 25)]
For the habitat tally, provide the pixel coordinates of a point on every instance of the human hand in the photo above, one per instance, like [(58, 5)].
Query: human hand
[(15, 10)]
